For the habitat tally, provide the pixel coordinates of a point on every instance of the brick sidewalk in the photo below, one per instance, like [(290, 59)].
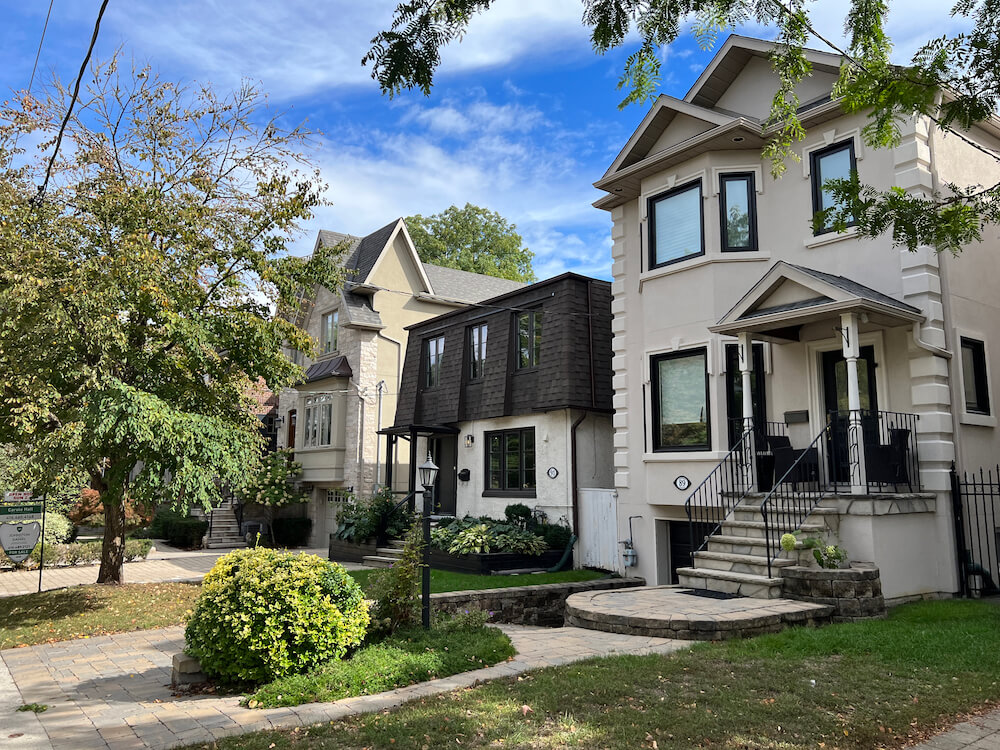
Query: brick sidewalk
[(112, 692)]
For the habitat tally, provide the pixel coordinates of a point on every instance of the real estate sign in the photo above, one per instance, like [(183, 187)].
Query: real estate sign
[(18, 539)]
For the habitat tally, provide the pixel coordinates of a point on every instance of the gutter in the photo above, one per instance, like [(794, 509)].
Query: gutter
[(574, 481)]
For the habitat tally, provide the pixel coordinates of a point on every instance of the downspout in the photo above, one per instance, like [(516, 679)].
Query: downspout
[(361, 440), (380, 387), (574, 482)]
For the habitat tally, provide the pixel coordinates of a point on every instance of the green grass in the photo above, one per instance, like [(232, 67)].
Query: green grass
[(442, 580), (84, 611), (875, 684), (403, 659)]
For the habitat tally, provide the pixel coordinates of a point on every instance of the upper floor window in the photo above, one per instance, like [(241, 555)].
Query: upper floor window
[(974, 379), (328, 334), (529, 339), (675, 225), (738, 208), (835, 162), (510, 461), (477, 351), (318, 421), (432, 359), (680, 401)]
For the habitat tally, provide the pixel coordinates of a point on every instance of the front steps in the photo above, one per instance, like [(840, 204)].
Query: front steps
[(385, 557), (735, 558), (224, 529)]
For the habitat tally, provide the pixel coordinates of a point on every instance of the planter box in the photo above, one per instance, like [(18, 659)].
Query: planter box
[(344, 551), (484, 564), (854, 592)]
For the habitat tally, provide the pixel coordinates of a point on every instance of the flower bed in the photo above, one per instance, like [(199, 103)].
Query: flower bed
[(485, 563)]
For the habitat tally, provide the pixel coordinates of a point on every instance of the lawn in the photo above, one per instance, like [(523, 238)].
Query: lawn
[(874, 684), (83, 611), (443, 580)]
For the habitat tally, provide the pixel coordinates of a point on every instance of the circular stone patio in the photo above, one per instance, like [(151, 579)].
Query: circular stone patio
[(674, 612)]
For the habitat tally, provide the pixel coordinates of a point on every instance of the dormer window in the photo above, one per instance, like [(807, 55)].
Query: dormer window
[(529, 339), (328, 332), (477, 351), (675, 225), (836, 162), (738, 210), (433, 352)]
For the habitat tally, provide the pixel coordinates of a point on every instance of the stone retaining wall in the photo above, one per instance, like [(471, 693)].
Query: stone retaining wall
[(855, 593), (544, 604)]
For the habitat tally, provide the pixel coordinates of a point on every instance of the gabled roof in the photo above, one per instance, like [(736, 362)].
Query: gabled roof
[(464, 286)]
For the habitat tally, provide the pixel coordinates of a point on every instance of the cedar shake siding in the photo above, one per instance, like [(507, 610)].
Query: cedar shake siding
[(574, 369)]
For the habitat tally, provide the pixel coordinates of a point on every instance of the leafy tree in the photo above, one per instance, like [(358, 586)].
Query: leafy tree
[(472, 239), (275, 485), (138, 290), (953, 81)]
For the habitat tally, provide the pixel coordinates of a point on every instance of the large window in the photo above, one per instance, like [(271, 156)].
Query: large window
[(328, 337), (318, 421), (833, 163), (477, 351), (675, 225), (529, 339), (510, 462), (738, 209), (974, 379), (680, 401), (434, 351)]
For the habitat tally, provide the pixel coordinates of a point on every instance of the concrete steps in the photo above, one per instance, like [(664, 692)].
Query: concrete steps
[(730, 582), (385, 557), (224, 530)]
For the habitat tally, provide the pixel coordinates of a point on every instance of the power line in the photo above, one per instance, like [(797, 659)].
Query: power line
[(34, 68), (72, 101)]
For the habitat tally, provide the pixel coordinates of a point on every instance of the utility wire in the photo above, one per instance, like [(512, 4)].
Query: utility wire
[(34, 68), (72, 101)]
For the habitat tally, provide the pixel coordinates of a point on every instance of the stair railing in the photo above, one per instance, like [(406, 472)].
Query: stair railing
[(800, 482), (722, 490)]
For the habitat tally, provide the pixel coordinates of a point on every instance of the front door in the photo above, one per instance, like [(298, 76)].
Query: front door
[(444, 453), (835, 402)]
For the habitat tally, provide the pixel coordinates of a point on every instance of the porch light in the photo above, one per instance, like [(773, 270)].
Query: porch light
[(428, 472)]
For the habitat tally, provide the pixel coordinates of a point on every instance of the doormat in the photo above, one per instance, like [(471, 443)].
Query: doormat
[(710, 594)]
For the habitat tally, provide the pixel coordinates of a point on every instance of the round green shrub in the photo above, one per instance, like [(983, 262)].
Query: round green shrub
[(264, 614)]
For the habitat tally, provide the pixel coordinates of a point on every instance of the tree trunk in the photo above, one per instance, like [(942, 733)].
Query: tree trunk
[(113, 550)]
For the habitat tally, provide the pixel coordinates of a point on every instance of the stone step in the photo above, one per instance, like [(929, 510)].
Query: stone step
[(379, 561), (225, 545), (738, 563), (728, 582), (394, 552), (756, 528), (397, 543), (739, 545), (752, 513)]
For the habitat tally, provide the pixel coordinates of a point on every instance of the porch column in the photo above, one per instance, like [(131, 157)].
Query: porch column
[(746, 370), (855, 439)]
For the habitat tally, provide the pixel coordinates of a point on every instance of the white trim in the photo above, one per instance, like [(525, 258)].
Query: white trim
[(828, 238), (965, 416), (400, 228), (683, 456), (702, 260), (830, 137), (814, 350), (669, 182), (758, 173)]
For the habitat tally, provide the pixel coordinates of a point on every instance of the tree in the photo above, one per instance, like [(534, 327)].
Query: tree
[(472, 239), (953, 81), (274, 486), (138, 290)]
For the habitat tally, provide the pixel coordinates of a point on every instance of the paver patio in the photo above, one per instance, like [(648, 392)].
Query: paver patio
[(113, 691)]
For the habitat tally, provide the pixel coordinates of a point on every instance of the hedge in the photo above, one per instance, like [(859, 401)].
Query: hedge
[(185, 533), (84, 553)]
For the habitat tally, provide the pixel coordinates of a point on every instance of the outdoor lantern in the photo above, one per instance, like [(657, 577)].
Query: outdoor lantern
[(428, 472)]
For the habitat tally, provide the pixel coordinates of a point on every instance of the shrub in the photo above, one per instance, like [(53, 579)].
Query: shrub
[(379, 517), (88, 510), (395, 589), (481, 535), (185, 533), (158, 527), (86, 553), (556, 536), (291, 532), (264, 614), (57, 528), (518, 514)]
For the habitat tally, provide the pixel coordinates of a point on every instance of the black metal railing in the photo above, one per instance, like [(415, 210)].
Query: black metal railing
[(800, 482), (976, 505), (888, 440), (721, 491)]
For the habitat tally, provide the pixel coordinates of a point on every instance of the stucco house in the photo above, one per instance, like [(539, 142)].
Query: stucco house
[(512, 399), (331, 419), (769, 377)]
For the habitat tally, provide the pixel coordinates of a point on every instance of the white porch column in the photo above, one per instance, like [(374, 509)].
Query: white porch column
[(855, 439), (746, 370)]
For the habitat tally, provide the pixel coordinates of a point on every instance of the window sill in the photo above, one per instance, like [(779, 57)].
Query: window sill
[(509, 493), (978, 420), (682, 456), (828, 238), (320, 448), (702, 260)]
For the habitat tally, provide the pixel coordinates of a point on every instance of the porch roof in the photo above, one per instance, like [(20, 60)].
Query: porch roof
[(788, 296)]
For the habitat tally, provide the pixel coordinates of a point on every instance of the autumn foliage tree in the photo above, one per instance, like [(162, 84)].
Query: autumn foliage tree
[(138, 293)]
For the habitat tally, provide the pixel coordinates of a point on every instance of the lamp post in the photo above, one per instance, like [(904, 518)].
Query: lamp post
[(428, 473)]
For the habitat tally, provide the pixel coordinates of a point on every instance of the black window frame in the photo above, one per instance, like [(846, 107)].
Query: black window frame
[(651, 214), (980, 377), (432, 372), (654, 362), (536, 328), (751, 208), (504, 491), (477, 351), (815, 178)]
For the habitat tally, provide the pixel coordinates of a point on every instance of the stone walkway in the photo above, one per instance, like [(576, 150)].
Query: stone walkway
[(981, 733), (166, 564), (112, 692)]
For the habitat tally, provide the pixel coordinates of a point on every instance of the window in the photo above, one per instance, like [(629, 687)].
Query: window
[(529, 339), (680, 401), (738, 210), (318, 421), (834, 163), (675, 225), (432, 359), (477, 351), (977, 388), (510, 461), (328, 336)]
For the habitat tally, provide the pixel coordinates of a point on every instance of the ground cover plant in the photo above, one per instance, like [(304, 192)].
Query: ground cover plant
[(519, 532), (406, 657), (443, 581), (882, 683), (84, 611)]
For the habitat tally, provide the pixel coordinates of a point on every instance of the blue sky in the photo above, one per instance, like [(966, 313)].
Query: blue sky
[(522, 119)]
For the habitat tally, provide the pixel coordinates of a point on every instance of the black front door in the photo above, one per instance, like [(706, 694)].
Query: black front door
[(835, 401), (444, 453)]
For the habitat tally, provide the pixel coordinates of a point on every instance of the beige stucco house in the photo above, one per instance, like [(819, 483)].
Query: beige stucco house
[(331, 419), (768, 376)]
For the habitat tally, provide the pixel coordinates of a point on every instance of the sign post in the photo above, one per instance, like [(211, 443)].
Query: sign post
[(19, 527)]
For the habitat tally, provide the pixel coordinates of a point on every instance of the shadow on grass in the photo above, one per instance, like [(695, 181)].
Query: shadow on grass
[(35, 609)]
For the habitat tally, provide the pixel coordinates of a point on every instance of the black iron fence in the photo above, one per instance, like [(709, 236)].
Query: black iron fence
[(976, 506)]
